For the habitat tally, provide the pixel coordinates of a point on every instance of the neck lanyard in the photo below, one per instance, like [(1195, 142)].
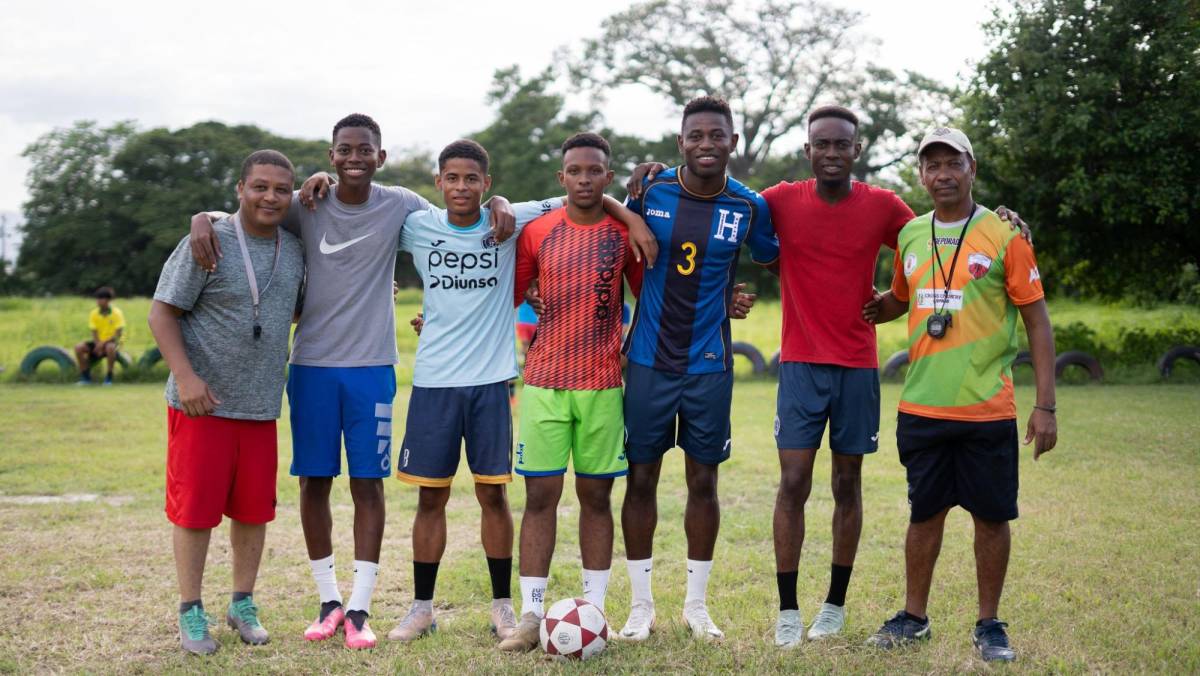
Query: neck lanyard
[(254, 295), (946, 278)]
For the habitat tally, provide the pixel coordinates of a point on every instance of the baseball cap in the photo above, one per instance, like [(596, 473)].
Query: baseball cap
[(948, 136)]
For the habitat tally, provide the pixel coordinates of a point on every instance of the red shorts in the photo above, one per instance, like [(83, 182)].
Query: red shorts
[(220, 466)]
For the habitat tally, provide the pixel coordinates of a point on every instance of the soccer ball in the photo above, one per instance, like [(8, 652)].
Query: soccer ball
[(574, 629)]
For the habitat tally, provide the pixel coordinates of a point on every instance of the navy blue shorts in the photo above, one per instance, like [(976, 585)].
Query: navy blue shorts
[(955, 462), (811, 394), (655, 400), (441, 418), (329, 404)]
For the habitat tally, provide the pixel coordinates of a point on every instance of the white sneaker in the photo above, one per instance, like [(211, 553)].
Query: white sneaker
[(695, 613), (789, 629), (828, 622), (640, 622)]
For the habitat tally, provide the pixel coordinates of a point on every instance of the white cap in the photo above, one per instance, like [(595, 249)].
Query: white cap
[(947, 136)]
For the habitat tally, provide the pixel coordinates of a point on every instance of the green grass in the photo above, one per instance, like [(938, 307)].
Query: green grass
[(30, 322), (1103, 575)]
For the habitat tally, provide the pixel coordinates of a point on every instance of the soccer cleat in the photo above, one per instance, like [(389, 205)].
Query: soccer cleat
[(358, 633), (640, 622), (789, 629), (899, 631), (504, 620), (695, 613), (991, 641), (84, 379), (243, 616), (417, 623), (327, 623), (107, 381), (828, 622), (525, 637), (193, 632)]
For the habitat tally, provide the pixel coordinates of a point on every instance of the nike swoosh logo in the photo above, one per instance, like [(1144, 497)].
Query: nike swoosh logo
[(327, 248)]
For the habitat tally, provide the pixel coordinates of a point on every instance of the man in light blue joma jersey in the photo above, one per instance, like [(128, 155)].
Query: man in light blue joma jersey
[(465, 358)]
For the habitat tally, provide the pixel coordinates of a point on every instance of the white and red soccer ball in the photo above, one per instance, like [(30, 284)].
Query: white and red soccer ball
[(574, 629)]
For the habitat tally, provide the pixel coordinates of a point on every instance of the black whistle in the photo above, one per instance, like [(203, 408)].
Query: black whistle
[(257, 332)]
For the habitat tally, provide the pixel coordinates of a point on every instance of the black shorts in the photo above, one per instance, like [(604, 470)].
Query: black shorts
[(952, 462)]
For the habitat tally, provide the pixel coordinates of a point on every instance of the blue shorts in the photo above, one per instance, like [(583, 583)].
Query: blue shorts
[(441, 418), (329, 404), (655, 400), (811, 394)]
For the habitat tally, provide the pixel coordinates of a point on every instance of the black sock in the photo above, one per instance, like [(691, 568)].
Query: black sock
[(787, 590), (328, 607), (238, 596), (915, 618), (188, 605), (500, 570), (839, 579), (358, 617), (424, 579)]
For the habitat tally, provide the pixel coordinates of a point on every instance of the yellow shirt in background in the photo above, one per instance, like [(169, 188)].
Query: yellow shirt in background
[(106, 325)]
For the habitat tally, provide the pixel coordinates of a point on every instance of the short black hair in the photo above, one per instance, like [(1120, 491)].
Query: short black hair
[(105, 292), (839, 112), (272, 157), (358, 120), (466, 149), (587, 139), (708, 104)]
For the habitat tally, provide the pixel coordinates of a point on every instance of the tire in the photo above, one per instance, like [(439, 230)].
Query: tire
[(750, 352), (773, 365), (149, 359), (1023, 357), (1079, 358), (1167, 362), (891, 368), (56, 354)]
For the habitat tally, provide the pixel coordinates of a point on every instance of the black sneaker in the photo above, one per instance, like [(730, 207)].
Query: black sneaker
[(992, 642), (899, 631)]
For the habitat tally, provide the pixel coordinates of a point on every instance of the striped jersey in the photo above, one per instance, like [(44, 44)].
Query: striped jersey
[(681, 323), (967, 374), (579, 271)]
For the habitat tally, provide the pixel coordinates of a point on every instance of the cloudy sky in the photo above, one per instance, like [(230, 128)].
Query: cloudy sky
[(426, 67)]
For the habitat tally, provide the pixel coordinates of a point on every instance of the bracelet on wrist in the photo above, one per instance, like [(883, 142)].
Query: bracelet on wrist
[(1047, 409)]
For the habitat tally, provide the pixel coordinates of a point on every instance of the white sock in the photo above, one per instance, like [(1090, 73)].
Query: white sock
[(595, 586), (533, 595), (639, 578), (697, 580), (326, 577), (365, 573)]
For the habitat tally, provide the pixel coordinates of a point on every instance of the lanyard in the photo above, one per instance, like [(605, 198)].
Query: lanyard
[(947, 278), (254, 295)]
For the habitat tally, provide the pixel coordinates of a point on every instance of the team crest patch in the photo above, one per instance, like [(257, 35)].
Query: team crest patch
[(776, 426), (910, 264), (1034, 275), (978, 265), (489, 241)]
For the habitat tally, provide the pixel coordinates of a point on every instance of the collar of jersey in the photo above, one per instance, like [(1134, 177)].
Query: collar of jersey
[(679, 175), (483, 216)]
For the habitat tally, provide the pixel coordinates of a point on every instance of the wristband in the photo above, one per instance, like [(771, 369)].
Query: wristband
[(1047, 409)]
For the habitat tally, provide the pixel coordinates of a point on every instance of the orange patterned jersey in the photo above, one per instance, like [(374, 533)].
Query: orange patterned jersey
[(579, 271)]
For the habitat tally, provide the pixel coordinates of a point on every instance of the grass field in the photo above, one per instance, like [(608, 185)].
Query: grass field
[(1103, 579)]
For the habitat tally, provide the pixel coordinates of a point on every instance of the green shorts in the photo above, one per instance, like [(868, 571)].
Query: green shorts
[(586, 426)]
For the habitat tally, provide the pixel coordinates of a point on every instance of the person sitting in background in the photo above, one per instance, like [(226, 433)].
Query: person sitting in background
[(107, 323)]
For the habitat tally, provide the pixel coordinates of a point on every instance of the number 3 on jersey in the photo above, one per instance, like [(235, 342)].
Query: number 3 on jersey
[(689, 258)]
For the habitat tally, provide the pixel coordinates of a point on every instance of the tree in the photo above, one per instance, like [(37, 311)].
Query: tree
[(1086, 118), (107, 205), (773, 60)]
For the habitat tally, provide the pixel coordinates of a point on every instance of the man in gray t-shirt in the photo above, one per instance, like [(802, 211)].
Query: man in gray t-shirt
[(342, 382), (224, 335)]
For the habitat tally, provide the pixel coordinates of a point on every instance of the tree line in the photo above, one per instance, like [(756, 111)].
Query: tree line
[(1085, 116)]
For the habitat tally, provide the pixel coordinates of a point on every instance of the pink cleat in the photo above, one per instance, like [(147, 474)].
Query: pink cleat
[(325, 626), (358, 633)]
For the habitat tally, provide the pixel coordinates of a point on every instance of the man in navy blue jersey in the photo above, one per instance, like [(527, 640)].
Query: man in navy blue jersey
[(679, 384)]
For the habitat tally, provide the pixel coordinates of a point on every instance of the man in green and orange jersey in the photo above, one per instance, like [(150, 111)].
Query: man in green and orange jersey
[(963, 276)]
